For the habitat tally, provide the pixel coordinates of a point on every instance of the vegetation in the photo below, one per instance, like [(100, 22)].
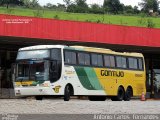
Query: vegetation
[(148, 5), (80, 6), (140, 20), (113, 6), (13, 2), (111, 12)]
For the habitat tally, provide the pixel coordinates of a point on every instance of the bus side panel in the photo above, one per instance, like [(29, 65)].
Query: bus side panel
[(111, 79), (84, 80), (101, 81)]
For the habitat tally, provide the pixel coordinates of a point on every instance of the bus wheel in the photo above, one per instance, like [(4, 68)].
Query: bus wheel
[(67, 93), (120, 95), (128, 94), (39, 97)]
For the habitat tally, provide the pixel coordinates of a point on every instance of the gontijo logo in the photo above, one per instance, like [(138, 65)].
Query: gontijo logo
[(57, 88), (112, 73)]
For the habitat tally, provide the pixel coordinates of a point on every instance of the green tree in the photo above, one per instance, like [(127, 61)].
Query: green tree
[(31, 3), (82, 6), (61, 7), (8, 2), (50, 6), (68, 2), (72, 8), (79, 6), (27, 3), (128, 9), (96, 9), (113, 6), (149, 5), (34, 4), (135, 9)]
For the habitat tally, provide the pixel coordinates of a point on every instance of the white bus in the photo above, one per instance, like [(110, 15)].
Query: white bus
[(58, 70)]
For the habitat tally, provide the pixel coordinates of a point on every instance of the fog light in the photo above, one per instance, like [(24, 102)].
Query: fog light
[(18, 94)]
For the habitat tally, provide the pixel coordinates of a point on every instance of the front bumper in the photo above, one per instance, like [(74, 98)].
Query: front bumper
[(29, 91)]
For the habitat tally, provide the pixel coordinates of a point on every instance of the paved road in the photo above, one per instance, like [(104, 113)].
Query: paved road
[(58, 106)]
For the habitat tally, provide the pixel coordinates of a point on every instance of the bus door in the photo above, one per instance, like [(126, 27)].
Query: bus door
[(55, 65)]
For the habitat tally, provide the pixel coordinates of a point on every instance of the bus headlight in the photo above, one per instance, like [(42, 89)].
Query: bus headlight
[(16, 85)]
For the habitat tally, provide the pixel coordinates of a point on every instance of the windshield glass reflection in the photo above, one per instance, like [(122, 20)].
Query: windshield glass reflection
[(32, 70)]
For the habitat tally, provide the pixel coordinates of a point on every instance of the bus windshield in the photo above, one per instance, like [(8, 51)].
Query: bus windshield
[(32, 70)]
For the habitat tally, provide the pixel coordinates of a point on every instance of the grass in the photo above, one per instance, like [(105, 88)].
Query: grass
[(140, 21)]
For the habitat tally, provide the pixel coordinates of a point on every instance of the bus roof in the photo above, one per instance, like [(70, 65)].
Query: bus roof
[(103, 50), (38, 47), (81, 48)]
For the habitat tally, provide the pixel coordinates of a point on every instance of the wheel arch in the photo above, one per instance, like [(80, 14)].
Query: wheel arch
[(121, 86)]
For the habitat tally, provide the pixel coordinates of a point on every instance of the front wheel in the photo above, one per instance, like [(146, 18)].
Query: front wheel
[(39, 97), (67, 93)]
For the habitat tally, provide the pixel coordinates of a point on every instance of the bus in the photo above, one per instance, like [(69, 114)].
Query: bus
[(97, 73)]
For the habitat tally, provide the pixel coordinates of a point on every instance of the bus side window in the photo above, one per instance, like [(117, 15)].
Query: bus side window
[(97, 60), (109, 61), (112, 61), (140, 64), (133, 63), (124, 62), (121, 62), (67, 57), (87, 59), (100, 61), (81, 58), (94, 59), (70, 57), (74, 58)]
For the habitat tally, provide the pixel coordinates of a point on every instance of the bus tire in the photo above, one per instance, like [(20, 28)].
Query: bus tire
[(120, 95), (128, 94), (39, 97), (67, 93)]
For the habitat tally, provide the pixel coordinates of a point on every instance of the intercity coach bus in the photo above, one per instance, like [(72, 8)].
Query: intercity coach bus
[(66, 71)]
